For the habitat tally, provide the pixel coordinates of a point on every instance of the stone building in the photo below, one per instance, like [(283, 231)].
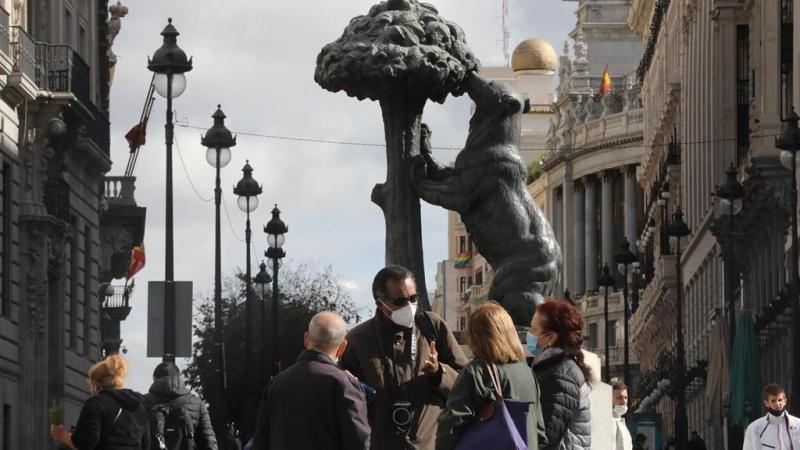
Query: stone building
[(62, 239), (717, 77)]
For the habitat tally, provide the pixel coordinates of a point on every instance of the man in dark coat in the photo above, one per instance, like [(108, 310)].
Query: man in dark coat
[(314, 405), (168, 388), (411, 371)]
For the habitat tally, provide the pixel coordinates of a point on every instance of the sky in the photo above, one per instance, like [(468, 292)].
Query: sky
[(257, 60)]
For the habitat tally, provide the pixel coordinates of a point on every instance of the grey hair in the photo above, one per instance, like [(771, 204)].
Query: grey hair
[(326, 331)]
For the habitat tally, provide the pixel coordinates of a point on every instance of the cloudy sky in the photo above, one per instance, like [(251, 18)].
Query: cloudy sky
[(257, 59)]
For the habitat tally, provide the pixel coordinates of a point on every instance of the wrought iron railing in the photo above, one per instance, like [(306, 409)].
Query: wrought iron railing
[(120, 298), (64, 71), (24, 52)]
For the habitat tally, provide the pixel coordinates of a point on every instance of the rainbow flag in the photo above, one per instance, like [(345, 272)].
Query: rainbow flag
[(462, 259), (605, 83)]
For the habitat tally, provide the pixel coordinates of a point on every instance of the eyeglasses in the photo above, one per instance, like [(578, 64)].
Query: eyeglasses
[(400, 301)]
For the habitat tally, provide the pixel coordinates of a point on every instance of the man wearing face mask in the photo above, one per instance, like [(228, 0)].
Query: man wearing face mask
[(776, 430), (409, 357), (621, 436)]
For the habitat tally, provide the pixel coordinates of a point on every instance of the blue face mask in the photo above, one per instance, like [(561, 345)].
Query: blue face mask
[(533, 344)]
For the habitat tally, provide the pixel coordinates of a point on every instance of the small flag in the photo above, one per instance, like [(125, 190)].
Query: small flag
[(462, 259), (136, 135), (137, 260), (605, 83)]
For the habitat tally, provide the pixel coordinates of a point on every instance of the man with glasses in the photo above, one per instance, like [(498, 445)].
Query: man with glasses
[(409, 357)]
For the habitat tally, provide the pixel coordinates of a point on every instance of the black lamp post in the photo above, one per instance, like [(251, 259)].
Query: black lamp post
[(624, 259), (276, 231), (789, 142), (730, 193), (169, 63), (248, 191), (663, 199), (606, 281), (678, 229), (218, 142), (262, 279)]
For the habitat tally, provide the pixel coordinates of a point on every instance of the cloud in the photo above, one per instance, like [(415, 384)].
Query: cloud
[(350, 285), (257, 59)]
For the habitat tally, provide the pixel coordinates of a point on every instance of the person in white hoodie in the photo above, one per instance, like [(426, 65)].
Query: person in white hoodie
[(621, 437), (778, 429)]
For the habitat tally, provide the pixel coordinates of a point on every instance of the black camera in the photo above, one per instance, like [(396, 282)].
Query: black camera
[(401, 414)]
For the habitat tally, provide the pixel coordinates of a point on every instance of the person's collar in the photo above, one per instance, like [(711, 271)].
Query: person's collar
[(316, 355), (547, 354), (776, 419)]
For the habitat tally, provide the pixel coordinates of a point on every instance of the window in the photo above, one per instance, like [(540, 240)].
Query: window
[(87, 290), (742, 91), (6, 427), (73, 288), (68, 34), (462, 285), (82, 42), (469, 281), (462, 323), (592, 335), (479, 277), (612, 333), (462, 244), (5, 245), (787, 49)]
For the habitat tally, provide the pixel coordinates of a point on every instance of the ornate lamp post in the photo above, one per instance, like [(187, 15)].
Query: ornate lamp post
[(624, 259), (248, 191), (663, 199), (789, 142), (730, 193), (678, 229), (606, 282), (218, 142), (263, 279), (169, 64), (276, 231)]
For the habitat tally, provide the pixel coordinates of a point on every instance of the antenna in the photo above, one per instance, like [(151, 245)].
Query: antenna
[(506, 34)]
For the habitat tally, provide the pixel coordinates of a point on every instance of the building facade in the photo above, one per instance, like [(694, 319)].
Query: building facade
[(717, 78), (57, 252)]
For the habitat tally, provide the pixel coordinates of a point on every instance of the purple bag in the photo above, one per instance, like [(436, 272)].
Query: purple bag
[(501, 425)]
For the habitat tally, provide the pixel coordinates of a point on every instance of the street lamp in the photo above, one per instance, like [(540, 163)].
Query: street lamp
[(248, 191), (606, 282), (788, 142), (218, 142), (730, 194), (262, 279), (679, 229), (663, 199), (624, 259), (169, 63), (276, 231)]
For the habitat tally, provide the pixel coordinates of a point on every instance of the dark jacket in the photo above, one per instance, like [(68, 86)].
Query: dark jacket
[(427, 393), (312, 405), (474, 388), (114, 419), (565, 401), (170, 389)]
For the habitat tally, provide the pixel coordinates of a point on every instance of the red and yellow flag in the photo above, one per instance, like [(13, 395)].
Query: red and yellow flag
[(137, 260), (605, 83)]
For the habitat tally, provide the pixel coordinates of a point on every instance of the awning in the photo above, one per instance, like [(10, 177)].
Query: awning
[(745, 374)]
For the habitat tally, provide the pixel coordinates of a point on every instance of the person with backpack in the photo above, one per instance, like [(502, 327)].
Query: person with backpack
[(179, 419), (499, 371), (113, 418), (555, 339)]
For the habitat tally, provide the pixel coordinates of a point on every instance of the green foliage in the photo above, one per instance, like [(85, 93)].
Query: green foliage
[(534, 170), (56, 411), (304, 291)]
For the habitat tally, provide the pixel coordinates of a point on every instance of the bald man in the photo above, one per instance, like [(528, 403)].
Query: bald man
[(313, 404)]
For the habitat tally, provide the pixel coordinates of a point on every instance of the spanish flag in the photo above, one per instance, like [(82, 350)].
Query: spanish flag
[(137, 260), (605, 83)]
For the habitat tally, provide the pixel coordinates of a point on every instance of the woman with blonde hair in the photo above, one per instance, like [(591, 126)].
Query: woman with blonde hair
[(113, 418), (493, 339)]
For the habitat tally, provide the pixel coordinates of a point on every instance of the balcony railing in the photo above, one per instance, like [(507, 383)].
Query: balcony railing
[(610, 126), (119, 190), (24, 53), (120, 298), (64, 71)]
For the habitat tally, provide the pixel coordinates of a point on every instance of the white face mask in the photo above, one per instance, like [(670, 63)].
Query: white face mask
[(405, 315), (620, 410)]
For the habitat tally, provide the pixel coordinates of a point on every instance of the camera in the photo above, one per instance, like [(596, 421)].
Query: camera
[(401, 414)]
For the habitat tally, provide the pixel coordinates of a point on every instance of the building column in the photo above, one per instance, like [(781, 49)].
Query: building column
[(558, 229), (607, 219), (591, 233), (578, 239), (631, 208), (566, 227)]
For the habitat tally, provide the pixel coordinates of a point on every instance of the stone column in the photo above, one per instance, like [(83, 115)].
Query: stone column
[(558, 229), (607, 218), (578, 239), (631, 207), (591, 233), (566, 226)]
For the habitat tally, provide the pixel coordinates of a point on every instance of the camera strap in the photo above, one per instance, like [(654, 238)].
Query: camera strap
[(395, 388)]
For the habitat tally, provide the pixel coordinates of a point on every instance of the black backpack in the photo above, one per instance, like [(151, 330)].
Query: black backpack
[(172, 427)]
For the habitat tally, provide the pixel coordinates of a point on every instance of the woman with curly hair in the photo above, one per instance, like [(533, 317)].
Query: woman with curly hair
[(113, 418), (555, 340)]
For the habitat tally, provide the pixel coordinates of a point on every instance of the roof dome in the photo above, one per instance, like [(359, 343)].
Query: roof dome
[(534, 54)]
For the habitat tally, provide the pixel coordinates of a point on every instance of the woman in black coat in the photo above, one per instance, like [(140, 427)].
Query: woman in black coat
[(555, 339), (113, 418)]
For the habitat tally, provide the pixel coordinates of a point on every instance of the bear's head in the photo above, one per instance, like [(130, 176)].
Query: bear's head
[(498, 112)]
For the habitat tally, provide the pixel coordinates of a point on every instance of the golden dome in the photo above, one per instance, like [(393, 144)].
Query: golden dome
[(534, 54)]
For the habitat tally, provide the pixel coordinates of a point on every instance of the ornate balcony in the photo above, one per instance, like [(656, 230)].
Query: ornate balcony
[(121, 227), (653, 324), (6, 59), (115, 309)]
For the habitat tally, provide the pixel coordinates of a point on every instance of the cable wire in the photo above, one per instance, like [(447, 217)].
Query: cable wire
[(230, 223), (185, 171)]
